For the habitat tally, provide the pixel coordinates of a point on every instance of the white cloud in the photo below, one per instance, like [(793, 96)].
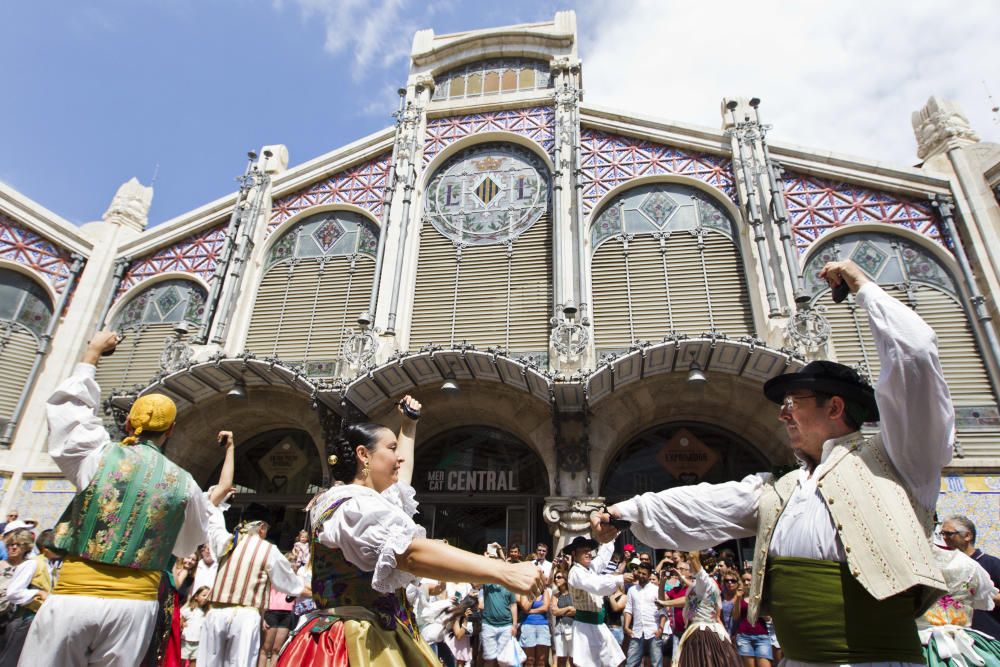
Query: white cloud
[(839, 76)]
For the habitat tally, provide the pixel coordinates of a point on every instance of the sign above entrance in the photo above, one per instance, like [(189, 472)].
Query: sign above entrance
[(472, 480), (686, 457), (283, 462)]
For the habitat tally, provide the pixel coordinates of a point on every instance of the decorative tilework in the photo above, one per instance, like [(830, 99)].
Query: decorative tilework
[(816, 205), (196, 254), (962, 495), (536, 123), (362, 185), (21, 245), (43, 499), (608, 160)]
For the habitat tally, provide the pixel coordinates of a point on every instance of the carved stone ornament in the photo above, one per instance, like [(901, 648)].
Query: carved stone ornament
[(808, 329), (130, 206), (941, 126), (569, 517), (175, 356)]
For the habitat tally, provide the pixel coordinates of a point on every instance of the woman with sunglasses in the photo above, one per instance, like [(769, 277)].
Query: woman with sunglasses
[(732, 594), (563, 611), (753, 641)]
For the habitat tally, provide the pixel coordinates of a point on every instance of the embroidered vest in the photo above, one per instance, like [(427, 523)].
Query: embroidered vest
[(242, 577), (884, 532), (40, 581), (131, 512), (338, 583), (584, 600)]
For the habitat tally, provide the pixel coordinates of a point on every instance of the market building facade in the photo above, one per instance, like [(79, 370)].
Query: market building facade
[(587, 303)]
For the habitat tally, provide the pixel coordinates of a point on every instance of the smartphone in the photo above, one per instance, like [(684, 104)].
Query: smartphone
[(408, 411), (840, 292)]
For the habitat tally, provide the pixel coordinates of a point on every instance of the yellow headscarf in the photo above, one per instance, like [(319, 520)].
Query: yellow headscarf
[(152, 412)]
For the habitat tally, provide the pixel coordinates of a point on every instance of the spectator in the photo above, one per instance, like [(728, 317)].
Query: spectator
[(614, 610), (459, 635), (514, 553), (731, 597), (277, 621), (563, 611), (304, 602), (11, 516), (673, 600), (641, 626), (753, 642), (499, 607), (646, 559), (29, 586), (207, 568), (541, 551), (301, 548), (959, 532), (192, 616), (535, 637)]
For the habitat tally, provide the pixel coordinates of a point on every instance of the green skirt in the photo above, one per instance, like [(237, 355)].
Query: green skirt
[(983, 646)]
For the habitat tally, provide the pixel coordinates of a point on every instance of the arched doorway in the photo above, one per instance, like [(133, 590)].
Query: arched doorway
[(478, 485), (680, 453), (279, 469)]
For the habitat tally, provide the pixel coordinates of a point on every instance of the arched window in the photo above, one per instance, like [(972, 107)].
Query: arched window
[(25, 313), (665, 260), (490, 77), (484, 274), (916, 277), (317, 280), (149, 319)]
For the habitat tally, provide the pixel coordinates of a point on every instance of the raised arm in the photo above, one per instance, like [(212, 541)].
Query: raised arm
[(590, 581), (434, 559), (406, 439), (219, 492), (75, 429)]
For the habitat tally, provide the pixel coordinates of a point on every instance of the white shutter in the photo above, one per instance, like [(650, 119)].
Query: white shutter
[(481, 310), (136, 360), (16, 359)]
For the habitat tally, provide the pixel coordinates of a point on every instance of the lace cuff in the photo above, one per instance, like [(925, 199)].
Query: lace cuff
[(387, 576), (403, 496)]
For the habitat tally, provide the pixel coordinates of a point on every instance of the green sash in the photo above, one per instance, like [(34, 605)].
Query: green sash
[(822, 614), (131, 512), (591, 617)]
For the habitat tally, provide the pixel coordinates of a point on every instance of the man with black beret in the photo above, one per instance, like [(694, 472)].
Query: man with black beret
[(842, 561)]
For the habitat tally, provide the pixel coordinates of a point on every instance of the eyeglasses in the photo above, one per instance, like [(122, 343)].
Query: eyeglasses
[(730, 581), (791, 403), (558, 578), (949, 533)]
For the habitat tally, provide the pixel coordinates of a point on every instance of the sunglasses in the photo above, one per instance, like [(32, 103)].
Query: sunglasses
[(730, 581)]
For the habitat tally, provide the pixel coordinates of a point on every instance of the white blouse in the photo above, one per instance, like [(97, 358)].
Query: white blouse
[(371, 529)]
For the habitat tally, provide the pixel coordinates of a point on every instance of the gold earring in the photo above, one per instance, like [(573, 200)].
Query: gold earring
[(364, 471), (332, 460)]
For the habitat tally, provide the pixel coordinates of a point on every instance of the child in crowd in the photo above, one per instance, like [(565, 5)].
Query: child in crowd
[(301, 548), (192, 616)]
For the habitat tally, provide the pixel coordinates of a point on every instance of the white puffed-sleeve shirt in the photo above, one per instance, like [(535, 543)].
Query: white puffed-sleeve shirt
[(371, 529)]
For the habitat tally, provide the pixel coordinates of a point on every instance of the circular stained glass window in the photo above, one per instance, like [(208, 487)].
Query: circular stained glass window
[(488, 194)]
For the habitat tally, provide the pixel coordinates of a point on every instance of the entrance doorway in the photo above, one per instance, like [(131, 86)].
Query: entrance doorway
[(478, 485)]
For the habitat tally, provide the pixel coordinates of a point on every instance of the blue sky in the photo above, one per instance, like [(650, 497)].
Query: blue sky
[(102, 91)]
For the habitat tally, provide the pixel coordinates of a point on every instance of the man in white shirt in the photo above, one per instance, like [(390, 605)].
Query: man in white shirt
[(850, 529), (593, 643), (204, 574), (541, 551), (641, 623)]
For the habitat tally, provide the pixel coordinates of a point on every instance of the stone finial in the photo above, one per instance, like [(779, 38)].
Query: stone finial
[(941, 126), (277, 162), (742, 110), (130, 206)]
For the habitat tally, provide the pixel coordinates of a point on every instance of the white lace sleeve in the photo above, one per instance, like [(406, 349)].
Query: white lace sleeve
[(371, 532), (403, 496)]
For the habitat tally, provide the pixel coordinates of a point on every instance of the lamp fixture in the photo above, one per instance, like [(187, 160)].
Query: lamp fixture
[(696, 375), (450, 386), (239, 390)]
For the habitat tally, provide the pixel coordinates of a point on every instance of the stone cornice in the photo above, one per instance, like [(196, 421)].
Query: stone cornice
[(43, 221)]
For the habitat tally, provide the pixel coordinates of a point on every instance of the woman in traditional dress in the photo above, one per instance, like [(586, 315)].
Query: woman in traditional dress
[(944, 629), (366, 549), (706, 642)]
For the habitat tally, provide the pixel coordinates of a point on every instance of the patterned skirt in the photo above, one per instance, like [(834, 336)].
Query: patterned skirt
[(359, 641), (706, 645), (961, 647)]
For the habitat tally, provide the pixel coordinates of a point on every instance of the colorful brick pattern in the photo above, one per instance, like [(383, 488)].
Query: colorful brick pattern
[(536, 123), (197, 254), (816, 205), (20, 244), (362, 185), (608, 160)]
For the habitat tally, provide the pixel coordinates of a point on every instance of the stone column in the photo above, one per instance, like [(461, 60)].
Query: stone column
[(568, 517)]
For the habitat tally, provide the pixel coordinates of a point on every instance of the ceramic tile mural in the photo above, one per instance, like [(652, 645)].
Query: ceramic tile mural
[(536, 123), (978, 498), (608, 160), (19, 244), (196, 254), (362, 185), (43, 499), (816, 205)]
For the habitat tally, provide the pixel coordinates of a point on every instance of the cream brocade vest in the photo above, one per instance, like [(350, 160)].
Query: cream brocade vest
[(242, 578), (585, 601), (885, 534)]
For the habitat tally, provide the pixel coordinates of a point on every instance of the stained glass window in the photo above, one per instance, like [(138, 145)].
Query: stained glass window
[(488, 194), (658, 207), (488, 77), (326, 234), (888, 259), (23, 301), (168, 301)]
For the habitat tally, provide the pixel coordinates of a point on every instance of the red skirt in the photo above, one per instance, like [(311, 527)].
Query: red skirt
[(355, 643)]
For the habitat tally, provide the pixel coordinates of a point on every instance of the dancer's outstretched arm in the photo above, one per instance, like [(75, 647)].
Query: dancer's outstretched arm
[(405, 440), (437, 560)]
